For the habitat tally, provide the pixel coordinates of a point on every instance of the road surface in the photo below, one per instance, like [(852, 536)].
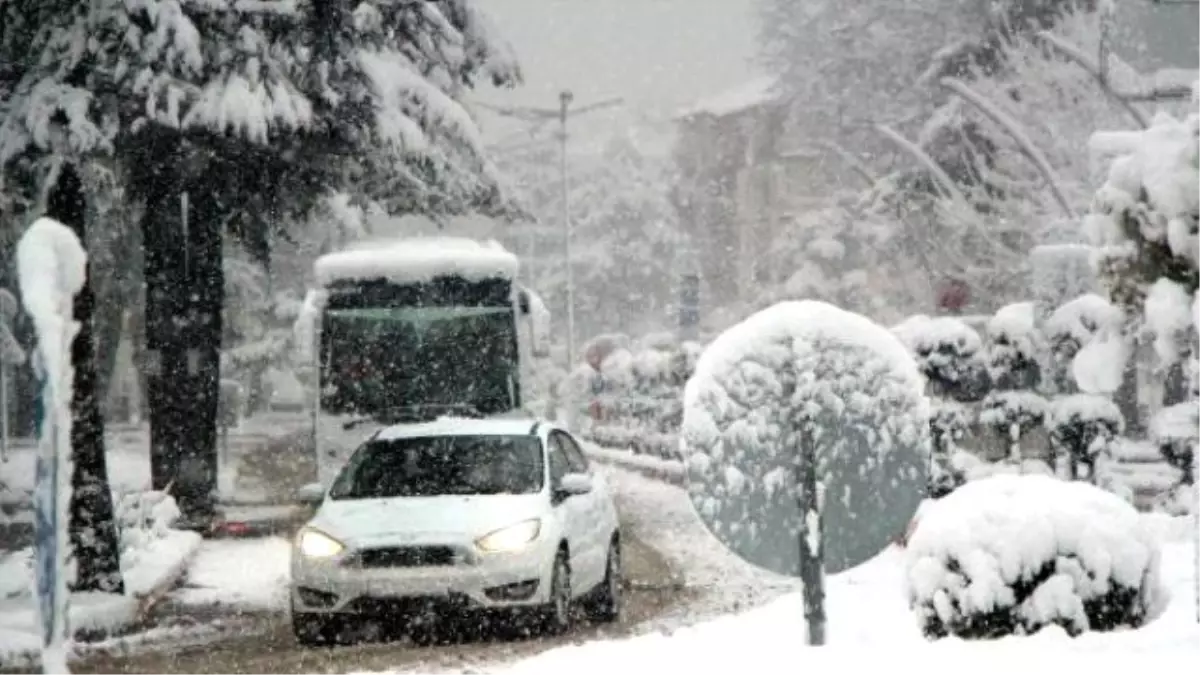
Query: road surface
[(263, 642)]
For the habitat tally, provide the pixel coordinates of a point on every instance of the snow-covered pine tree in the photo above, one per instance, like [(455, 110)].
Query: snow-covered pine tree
[(1144, 226), (254, 110)]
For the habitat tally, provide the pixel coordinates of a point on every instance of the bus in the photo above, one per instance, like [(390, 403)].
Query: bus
[(412, 329)]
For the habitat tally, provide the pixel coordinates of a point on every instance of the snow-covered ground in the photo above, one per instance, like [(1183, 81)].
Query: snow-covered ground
[(156, 563), (869, 621), (249, 574)]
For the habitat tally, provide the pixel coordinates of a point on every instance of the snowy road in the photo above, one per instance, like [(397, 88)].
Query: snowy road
[(230, 616)]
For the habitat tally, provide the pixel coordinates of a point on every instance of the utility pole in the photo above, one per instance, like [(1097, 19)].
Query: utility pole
[(564, 102), (539, 116)]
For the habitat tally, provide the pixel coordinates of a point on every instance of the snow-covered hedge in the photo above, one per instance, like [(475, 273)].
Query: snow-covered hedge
[(635, 399), (1014, 554)]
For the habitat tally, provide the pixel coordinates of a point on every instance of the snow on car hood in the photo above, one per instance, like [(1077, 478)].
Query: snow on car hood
[(374, 521)]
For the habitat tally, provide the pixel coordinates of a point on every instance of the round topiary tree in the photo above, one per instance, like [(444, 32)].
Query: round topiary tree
[(1084, 428), (806, 380), (950, 355), (1011, 554)]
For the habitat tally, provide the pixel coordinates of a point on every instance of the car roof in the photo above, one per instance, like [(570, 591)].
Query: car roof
[(463, 426)]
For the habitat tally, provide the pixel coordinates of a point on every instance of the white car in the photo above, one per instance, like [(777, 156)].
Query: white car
[(453, 516)]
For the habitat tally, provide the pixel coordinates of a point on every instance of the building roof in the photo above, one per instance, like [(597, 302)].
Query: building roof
[(753, 94)]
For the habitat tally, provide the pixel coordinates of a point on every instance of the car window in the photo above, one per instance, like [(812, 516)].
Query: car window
[(441, 465), (559, 465), (575, 458)]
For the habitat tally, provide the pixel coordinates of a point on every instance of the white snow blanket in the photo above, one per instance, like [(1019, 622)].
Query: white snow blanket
[(417, 259), (1032, 550)]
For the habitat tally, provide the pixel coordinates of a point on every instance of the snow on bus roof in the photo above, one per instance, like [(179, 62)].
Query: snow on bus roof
[(417, 259)]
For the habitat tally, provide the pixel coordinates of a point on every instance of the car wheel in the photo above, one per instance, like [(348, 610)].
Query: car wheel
[(606, 604), (557, 613), (313, 630)]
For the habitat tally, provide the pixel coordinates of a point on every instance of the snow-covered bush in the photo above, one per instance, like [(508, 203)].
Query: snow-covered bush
[(949, 354), (1014, 347), (794, 374), (635, 399), (143, 517), (1071, 328), (1083, 429), (1175, 430), (1170, 322), (949, 423), (1014, 554), (1015, 416)]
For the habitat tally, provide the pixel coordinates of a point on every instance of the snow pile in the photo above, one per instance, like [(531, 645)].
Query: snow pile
[(797, 373), (1169, 317), (143, 517), (1016, 554), (1099, 368), (1071, 329), (416, 260)]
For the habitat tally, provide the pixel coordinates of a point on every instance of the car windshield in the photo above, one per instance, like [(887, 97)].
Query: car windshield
[(442, 465)]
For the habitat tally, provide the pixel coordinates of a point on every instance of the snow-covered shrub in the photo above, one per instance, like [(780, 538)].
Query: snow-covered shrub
[(949, 423), (1175, 430), (1083, 429), (1071, 328), (635, 400), (1170, 322), (143, 517), (1017, 417), (1014, 347), (803, 373), (949, 354), (1014, 554)]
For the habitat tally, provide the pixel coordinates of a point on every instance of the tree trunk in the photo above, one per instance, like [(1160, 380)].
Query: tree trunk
[(184, 293), (109, 322), (94, 536)]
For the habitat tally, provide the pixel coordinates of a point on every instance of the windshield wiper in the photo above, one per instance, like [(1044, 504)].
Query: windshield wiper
[(412, 414)]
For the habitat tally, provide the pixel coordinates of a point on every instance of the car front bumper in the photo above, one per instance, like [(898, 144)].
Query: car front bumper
[(477, 581)]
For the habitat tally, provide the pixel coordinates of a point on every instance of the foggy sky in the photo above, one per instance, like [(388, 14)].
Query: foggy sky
[(659, 55)]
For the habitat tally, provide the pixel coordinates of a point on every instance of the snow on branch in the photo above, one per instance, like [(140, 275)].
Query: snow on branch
[(409, 105)]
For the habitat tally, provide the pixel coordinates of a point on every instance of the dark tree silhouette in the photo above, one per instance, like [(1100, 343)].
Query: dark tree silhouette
[(93, 530)]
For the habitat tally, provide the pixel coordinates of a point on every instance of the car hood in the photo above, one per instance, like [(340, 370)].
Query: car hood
[(373, 521)]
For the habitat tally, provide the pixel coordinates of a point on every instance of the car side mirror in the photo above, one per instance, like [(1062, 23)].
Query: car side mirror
[(574, 484), (311, 495)]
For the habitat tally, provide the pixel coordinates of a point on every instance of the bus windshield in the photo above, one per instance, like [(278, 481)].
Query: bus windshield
[(378, 356)]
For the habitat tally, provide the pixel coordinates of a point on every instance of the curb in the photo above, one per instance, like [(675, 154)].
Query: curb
[(146, 602), (664, 471)]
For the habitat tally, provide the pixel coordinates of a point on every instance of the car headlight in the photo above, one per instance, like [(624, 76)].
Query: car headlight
[(511, 538), (316, 544)]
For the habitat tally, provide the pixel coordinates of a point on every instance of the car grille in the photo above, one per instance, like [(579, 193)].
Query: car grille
[(406, 556)]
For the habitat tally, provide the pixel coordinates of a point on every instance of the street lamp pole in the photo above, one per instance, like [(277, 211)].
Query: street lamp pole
[(540, 116), (564, 100)]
